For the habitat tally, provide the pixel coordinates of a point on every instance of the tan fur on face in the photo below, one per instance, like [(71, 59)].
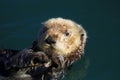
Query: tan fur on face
[(68, 36)]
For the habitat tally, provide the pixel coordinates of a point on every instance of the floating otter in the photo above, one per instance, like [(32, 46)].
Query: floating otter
[(59, 43), (63, 41)]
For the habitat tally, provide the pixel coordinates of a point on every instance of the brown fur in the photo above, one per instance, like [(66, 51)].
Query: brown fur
[(60, 43), (69, 37), (63, 41)]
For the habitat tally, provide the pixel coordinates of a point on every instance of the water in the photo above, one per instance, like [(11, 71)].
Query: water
[(20, 22)]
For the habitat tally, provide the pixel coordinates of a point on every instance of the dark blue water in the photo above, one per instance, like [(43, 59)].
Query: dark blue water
[(20, 21)]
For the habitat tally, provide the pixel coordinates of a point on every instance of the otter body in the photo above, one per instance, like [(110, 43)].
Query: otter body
[(58, 45), (63, 41)]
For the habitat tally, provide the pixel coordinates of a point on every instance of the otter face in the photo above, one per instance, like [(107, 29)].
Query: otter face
[(61, 36)]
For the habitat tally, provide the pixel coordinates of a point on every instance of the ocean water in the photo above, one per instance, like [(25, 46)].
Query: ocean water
[(20, 21)]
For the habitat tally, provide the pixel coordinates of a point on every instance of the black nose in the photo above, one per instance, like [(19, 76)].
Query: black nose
[(49, 40)]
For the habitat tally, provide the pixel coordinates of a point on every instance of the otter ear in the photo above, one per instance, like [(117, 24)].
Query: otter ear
[(82, 32), (82, 37), (42, 30)]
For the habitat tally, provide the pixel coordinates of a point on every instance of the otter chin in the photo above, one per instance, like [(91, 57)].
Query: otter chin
[(63, 37)]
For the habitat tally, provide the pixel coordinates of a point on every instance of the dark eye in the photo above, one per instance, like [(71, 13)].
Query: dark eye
[(67, 33)]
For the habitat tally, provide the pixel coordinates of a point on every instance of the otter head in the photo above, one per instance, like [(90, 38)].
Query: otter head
[(61, 36)]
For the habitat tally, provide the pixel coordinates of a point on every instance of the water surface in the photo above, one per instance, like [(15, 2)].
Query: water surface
[(20, 21)]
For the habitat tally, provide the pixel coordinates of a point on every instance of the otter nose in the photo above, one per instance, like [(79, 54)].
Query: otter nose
[(49, 40)]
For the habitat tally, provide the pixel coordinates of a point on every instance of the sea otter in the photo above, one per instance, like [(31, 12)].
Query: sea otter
[(63, 40), (58, 45)]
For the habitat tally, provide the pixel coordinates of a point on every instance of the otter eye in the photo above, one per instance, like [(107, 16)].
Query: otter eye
[(67, 33)]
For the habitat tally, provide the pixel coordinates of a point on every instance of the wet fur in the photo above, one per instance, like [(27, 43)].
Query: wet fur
[(69, 37), (68, 42), (66, 45)]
